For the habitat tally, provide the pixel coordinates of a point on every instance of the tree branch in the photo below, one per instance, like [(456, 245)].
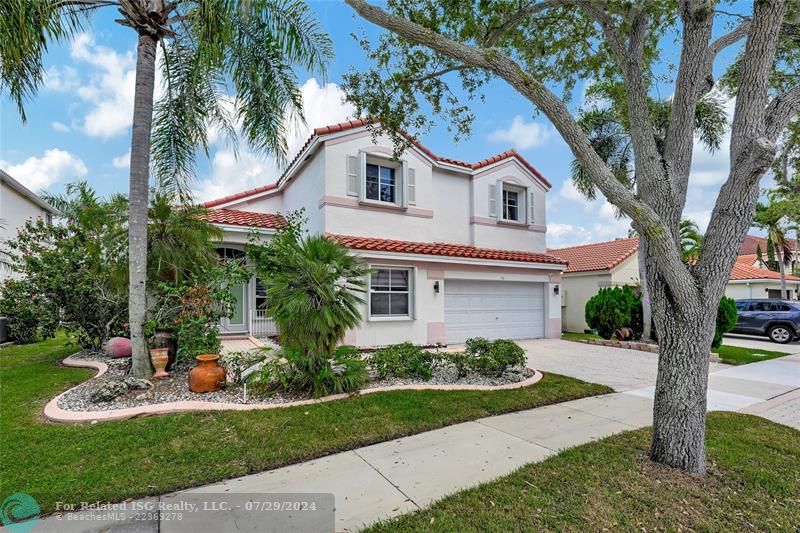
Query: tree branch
[(670, 265), (516, 18), (729, 39), (436, 74), (780, 111)]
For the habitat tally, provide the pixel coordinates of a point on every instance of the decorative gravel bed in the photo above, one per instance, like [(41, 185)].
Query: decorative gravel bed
[(175, 388)]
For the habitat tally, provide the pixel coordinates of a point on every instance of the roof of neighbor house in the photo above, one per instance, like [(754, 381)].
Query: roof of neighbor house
[(352, 124), (751, 242), (602, 256), (26, 192), (596, 256), (743, 270), (443, 249)]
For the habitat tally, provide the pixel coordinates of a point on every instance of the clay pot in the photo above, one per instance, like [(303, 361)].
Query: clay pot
[(159, 357), (164, 339), (207, 375), (624, 334), (118, 347)]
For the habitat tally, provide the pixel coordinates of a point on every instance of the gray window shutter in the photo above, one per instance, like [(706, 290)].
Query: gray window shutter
[(499, 199), (352, 176), (402, 187), (492, 200), (362, 175), (411, 187), (531, 211)]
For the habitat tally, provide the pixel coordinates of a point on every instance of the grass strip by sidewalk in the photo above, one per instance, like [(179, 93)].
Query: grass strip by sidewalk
[(732, 355), (113, 461), (753, 484)]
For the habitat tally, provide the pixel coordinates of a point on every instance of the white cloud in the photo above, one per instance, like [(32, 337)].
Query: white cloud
[(123, 161), (522, 135), (711, 169), (59, 127), (322, 105), (61, 79), (568, 191), (110, 89), (41, 172), (562, 235)]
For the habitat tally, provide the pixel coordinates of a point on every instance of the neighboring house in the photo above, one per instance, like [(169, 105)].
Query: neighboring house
[(606, 264), (592, 267), (752, 243), (458, 249), (18, 205)]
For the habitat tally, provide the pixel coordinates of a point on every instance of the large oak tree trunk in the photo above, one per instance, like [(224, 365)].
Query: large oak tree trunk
[(139, 201), (685, 333)]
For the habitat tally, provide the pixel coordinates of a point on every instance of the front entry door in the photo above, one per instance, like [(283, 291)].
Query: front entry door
[(238, 321)]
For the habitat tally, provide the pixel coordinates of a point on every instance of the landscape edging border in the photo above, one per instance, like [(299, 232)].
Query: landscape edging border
[(55, 413)]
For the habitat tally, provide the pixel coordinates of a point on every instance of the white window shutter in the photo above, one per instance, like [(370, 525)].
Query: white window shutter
[(352, 176), (402, 187), (362, 175), (531, 210), (492, 200), (411, 187), (499, 199)]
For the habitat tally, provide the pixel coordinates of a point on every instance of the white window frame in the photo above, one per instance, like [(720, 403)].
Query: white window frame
[(412, 275), (400, 180), (522, 204)]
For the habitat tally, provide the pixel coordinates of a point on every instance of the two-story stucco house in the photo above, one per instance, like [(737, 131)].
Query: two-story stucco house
[(18, 204), (457, 249)]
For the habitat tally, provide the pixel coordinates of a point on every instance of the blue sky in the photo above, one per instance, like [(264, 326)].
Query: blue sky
[(79, 127)]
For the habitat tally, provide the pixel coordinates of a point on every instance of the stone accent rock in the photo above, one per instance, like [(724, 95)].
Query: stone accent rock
[(108, 391), (136, 383)]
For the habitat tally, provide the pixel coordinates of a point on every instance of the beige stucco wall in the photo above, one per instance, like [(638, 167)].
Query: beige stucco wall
[(745, 290), (15, 210), (576, 290)]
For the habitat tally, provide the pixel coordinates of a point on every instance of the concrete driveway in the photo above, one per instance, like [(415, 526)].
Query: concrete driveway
[(761, 343), (621, 369)]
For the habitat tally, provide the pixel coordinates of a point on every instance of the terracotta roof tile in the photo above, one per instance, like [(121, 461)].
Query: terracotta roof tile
[(751, 242), (743, 269), (597, 256), (236, 217), (443, 249), (351, 124)]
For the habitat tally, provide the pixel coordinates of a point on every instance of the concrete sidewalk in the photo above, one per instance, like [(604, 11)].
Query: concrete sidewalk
[(399, 476)]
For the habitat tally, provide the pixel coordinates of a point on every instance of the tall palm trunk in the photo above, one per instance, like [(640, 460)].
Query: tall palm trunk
[(139, 192)]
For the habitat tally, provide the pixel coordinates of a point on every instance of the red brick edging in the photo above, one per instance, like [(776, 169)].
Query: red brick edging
[(56, 414)]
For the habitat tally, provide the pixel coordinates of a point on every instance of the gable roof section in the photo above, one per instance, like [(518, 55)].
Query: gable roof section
[(597, 256), (235, 217), (743, 269), (751, 242), (353, 124), (443, 249)]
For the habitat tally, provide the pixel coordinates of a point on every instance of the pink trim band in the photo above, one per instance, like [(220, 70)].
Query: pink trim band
[(352, 203), (485, 221)]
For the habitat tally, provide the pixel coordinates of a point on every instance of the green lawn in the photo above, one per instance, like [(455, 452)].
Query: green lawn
[(735, 355), (753, 484), (112, 461)]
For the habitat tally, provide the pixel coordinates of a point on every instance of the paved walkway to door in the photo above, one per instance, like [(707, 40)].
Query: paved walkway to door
[(399, 476)]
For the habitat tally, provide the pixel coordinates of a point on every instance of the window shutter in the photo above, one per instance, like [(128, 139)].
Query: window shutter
[(411, 187), (499, 200), (531, 210), (362, 173), (492, 200), (352, 176), (402, 187)]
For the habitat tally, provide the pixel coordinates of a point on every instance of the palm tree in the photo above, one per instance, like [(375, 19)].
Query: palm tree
[(770, 219), (211, 48), (607, 130), (313, 288), (691, 240)]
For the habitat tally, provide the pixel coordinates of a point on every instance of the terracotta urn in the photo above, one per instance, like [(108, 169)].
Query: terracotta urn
[(207, 375), (159, 357), (118, 347), (164, 339)]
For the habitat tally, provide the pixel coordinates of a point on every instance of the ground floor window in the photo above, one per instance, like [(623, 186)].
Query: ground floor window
[(261, 296), (390, 292)]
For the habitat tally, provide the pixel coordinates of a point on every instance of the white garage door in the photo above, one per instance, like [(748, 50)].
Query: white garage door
[(493, 309)]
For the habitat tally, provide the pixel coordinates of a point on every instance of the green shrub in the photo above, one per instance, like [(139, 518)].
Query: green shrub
[(303, 372), (613, 308), (492, 357), (30, 317), (402, 361), (726, 319), (458, 359), (235, 363)]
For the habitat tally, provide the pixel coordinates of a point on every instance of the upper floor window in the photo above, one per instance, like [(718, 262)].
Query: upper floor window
[(510, 205), (381, 183)]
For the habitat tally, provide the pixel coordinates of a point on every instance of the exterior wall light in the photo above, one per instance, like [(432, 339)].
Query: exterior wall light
[(435, 287), (555, 290)]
